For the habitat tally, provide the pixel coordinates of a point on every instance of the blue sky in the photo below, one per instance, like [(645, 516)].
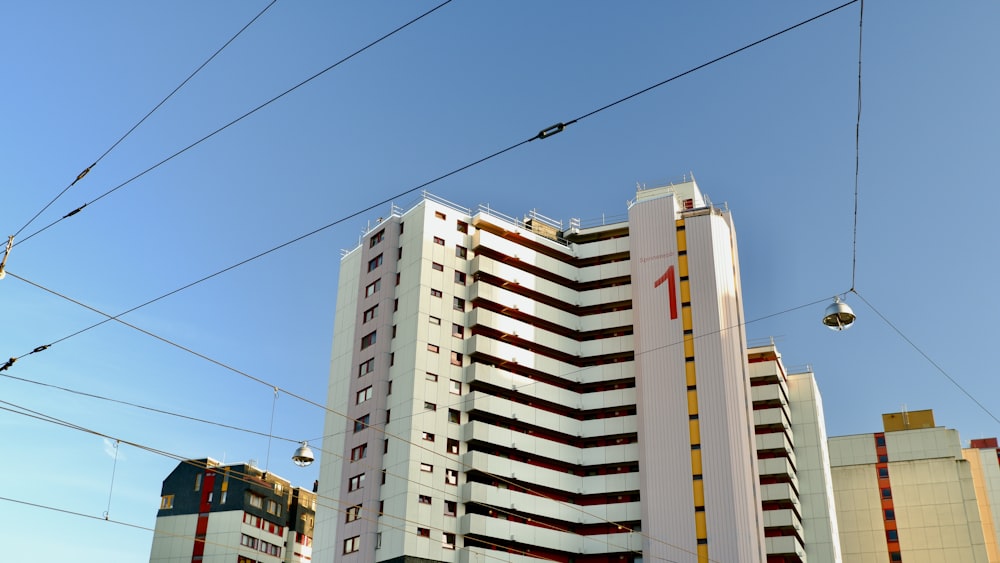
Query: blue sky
[(769, 132)]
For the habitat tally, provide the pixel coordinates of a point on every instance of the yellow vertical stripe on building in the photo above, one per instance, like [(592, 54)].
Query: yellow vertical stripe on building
[(699, 494), (694, 427), (696, 462), (700, 528)]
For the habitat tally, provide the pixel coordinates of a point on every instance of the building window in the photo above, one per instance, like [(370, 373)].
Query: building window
[(385, 446), (455, 387), (434, 320), (451, 476), (892, 535), (363, 395), (394, 331), (372, 288), (361, 423), (428, 436), (880, 441), (197, 482), (351, 545), (428, 406), (377, 238), (395, 304), (431, 376), (273, 508), (448, 540), (397, 278), (895, 556), (460, 277), (454, 416), (440, 215), (886, 492), (883, 472), (424, 499), (438, 267), (359, 452), (462, 227), (433, 348), (435, 292), (353, 513), (387, 412), (400, 255), (461, 251), (368, 339), (424, 532), (392, 362), (450, 508), (374, 263), (366, 367), (456, 359), (383, 476), (890, 514), (381, 507), (167, 502), (255, 501), (452, 446), (457, 330), (458, 304), (400, 227), (426, 468), (356, 482), (369, 314), (439, 240), (883, 459)]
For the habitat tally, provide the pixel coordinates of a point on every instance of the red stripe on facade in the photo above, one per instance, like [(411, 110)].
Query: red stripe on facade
[(885, 494), (204, 507)]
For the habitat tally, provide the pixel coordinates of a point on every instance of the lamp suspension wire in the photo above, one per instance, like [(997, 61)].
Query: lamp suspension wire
[(857, 153), (111, 489), (270, 430)]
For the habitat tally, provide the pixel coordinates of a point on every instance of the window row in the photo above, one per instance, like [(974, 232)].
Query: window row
[(450, 506), (447, 539), (260, 545), (450, 475), (460, 277)]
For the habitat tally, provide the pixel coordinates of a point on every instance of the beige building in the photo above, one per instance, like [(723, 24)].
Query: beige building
[(984, 460), (907, 494)]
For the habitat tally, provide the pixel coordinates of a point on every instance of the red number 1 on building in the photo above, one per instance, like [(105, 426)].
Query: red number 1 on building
[(668, 277)]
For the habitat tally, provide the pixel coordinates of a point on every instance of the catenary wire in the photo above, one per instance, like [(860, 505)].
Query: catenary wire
[(543, 134), (382, 430), (145, 117), (240, 118), (937, 366)]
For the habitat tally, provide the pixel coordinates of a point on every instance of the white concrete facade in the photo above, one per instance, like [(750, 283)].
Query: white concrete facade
[(505, 389)]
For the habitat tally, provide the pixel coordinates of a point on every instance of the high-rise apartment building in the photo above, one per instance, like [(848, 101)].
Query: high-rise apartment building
[(800, 523), (983, 456), (504, 389), (216, 513), (906, 494)]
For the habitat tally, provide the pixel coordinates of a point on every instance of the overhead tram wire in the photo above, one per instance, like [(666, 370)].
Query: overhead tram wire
[(144, 118), (857, 152), (542, 134), (372, 426), (237, 120)]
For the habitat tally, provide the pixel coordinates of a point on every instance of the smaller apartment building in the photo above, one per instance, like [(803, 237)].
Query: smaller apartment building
[(907, 494), (232, 513), (796, 486)]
